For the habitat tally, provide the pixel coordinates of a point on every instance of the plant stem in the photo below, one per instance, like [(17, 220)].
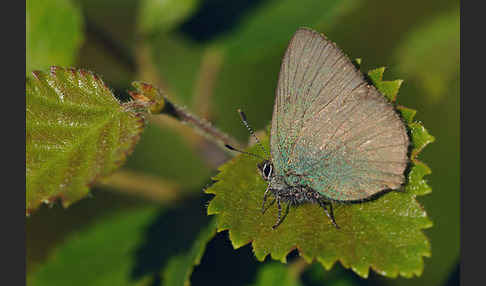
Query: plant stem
[(201, 125)]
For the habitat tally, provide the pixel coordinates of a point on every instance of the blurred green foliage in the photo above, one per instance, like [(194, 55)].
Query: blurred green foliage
[(235, 53), (180, 267), (54, 33), (419, 60), (276, 274), (159, 16), (99, 255)]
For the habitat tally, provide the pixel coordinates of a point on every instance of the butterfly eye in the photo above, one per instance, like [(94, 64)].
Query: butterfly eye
[(267, 170)]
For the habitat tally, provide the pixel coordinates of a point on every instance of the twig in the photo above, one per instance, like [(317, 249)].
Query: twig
[(203, 126)]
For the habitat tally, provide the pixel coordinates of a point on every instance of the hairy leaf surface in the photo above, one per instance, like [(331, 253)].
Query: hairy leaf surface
[(76, 132)]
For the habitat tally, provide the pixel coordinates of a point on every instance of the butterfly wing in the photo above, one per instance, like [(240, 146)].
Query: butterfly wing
[(330, 129)]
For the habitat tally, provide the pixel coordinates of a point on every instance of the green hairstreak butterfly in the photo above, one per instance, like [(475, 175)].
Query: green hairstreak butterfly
[(334, 137)]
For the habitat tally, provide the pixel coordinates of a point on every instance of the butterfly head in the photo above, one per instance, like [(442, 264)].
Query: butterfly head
[(276, 184), (266, 169)]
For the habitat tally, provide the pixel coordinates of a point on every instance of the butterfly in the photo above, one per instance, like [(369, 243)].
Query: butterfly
[(334, 137)]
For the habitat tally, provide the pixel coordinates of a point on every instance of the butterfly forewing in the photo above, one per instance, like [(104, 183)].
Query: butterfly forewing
[(330, 129)]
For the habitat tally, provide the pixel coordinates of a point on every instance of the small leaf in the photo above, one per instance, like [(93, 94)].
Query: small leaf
[(148, 95), (101, 255), (76, 132), (276, 274), (383, 234), (53, 33), (179, 269)]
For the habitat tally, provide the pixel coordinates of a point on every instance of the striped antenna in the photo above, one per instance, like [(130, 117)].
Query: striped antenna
[(245, 122), (251, 154)]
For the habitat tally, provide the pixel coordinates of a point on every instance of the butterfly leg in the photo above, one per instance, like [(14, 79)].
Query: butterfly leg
[(269, 205), (280, 218), (265, 198), (329, 213)]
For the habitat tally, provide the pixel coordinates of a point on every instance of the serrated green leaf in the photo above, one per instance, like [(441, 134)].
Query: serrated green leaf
[(53, 33), (179, 268), (162, 15), (407, 113), (383, 234), (101, 255), (387, 88), (416, 184), (420, 137), (76, 132), (276, 274)]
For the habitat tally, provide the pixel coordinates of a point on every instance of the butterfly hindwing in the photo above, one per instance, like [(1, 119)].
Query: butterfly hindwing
[(330, 129)]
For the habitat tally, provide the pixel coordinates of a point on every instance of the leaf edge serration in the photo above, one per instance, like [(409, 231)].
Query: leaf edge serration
[(420, 138), (120, 153)]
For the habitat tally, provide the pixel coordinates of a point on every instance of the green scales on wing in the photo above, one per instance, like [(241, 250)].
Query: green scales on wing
[(331, 130)]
